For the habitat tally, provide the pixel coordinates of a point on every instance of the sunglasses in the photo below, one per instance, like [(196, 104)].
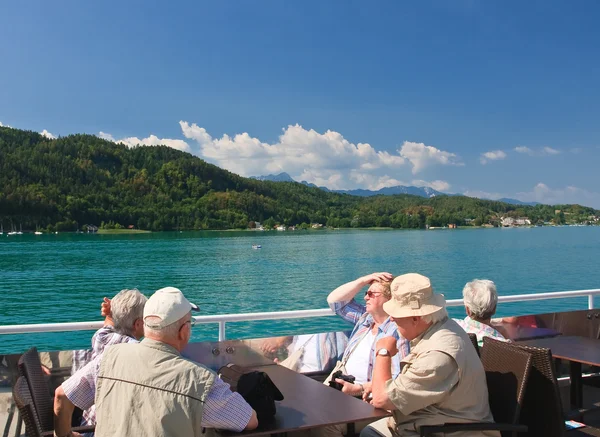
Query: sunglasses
[(372, 294)]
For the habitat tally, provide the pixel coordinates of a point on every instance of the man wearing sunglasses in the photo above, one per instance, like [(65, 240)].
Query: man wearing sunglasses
[(149, 389)]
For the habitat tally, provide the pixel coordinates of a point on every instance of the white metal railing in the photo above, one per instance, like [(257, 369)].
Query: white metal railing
[(222, 319)]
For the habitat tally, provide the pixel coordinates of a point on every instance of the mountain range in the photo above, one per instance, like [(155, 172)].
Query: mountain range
[(386, 191)]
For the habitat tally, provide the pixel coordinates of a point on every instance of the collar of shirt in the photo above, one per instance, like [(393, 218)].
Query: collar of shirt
[(369, 321), (468, 321), (159, 345), (415, 341)]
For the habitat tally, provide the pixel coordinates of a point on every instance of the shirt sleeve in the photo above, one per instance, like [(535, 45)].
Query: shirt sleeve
[(80, 388), (224, 409), (350, 310), (427, 381)]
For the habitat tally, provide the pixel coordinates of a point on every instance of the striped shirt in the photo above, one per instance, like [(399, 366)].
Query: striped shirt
[(223, 409), (103, 337), (481, 330), (356, 313)]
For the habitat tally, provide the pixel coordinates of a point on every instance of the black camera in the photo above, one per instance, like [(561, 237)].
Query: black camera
[(340, 375)]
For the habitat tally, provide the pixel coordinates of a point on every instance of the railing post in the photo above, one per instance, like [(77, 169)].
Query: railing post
[(590, 301), (222, 336)]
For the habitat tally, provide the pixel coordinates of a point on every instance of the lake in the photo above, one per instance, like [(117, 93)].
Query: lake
[(60, 278)]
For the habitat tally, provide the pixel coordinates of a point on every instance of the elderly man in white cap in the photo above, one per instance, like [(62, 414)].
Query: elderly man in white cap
[(149, 389), (442, 379)]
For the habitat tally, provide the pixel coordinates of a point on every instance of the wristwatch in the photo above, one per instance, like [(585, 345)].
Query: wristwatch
[(384, 352)]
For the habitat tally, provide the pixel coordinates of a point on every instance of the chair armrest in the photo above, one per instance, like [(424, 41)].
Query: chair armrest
[(448, 428)]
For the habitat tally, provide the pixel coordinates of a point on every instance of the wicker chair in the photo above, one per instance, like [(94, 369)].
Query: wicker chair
[(24, 401), (38, 396), (507, 370), (542, 407), (30, 367), (473, 338)]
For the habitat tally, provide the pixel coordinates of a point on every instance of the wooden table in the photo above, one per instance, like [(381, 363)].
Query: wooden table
[(309, 404), (576, 350)]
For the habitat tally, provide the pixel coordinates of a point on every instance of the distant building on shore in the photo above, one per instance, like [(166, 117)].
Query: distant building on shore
[(518, 221)]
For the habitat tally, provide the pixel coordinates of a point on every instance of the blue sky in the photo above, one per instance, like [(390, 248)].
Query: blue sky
[(493, 99)]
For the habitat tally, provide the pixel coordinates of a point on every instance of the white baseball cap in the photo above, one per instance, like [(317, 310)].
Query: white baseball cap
[(169, 304)]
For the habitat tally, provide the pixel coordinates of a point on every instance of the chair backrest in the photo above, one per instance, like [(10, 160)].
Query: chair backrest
[(24, 402), (507, 371), (30, 367), (542, 408), (473, 338)]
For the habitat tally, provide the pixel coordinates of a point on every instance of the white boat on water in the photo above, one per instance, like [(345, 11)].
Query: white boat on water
[(256, 246), (38, 233)]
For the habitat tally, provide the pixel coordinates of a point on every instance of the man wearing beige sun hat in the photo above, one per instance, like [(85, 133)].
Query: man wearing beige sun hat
[(442, 379)]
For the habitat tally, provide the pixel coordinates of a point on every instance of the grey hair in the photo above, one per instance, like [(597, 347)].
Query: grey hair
[(438, 316), (169, 331), (126, 307), (481, 297)]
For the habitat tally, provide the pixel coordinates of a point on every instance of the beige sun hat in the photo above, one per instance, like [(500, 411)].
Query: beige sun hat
[(413, 296)]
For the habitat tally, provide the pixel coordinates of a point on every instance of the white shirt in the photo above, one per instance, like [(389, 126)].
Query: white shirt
[(358, 362)]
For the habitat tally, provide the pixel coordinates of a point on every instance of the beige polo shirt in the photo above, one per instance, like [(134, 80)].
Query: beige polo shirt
[(442, 380), (149, 390)]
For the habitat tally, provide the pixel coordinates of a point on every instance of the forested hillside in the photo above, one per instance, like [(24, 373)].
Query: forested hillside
[(64, 183)]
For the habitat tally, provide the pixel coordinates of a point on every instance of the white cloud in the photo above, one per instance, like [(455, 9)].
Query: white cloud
[(523, 149), (48, 134), (325, 159), (550, 151), (436, 185), (152, 140), (107, 137), (422, 156), (544, 194), (493, 155), (544, 151), (5, 125)]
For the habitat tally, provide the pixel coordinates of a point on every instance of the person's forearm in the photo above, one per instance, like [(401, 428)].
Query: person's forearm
[(347, 291), (63, 412), (382, 373), (252, 423)]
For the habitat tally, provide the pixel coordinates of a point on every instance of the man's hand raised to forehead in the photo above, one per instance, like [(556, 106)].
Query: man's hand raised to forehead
[(105, 311)]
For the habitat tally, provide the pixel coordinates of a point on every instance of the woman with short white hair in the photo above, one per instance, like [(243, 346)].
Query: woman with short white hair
[(480, 298)]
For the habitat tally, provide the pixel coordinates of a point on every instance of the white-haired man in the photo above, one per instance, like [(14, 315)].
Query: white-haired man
[(442, 379), (149, 389), (123, 324), (480, 298)]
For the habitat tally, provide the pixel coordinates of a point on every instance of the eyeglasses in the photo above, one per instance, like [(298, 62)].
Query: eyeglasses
[(372, 294), (192, 323)]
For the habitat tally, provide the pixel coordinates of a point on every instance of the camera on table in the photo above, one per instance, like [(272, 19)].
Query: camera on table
[(340, 375)]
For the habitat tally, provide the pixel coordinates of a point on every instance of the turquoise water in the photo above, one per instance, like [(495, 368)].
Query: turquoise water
[(60, 278)]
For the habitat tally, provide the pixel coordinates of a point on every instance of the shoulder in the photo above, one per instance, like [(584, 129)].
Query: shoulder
[(434, 362), (195, 370)]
